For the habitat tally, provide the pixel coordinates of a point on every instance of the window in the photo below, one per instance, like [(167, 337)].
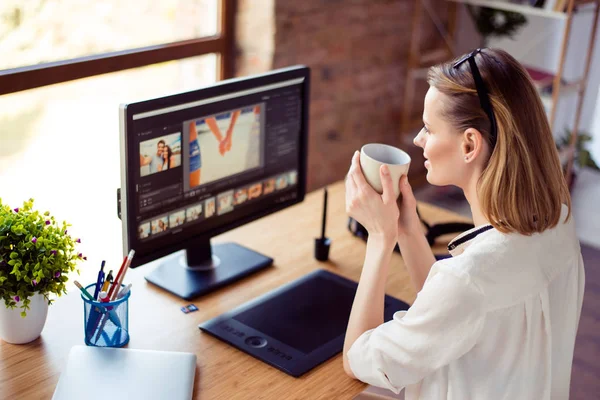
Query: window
[(59, 124), (45, 42)]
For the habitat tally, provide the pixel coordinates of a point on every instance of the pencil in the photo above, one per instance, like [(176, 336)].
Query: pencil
[(121, 276), (324, 215), (116, 281)]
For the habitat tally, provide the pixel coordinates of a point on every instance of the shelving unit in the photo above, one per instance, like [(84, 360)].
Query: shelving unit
[(419, 63), (506, 6)]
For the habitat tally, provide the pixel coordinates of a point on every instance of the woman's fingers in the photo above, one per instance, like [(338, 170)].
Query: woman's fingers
[(357, 175), (350, 185), (350, 189), (388, 195), (407, 194)]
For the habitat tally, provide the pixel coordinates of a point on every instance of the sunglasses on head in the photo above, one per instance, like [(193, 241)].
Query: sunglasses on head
[(482, 92)]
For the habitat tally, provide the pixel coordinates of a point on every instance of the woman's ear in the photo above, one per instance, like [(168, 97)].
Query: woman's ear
[(472, 144)]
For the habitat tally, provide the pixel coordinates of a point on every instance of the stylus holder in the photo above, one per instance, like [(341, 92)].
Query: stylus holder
[(106, 324)]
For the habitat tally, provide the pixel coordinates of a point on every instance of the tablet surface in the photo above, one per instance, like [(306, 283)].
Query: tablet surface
[(295, 327)]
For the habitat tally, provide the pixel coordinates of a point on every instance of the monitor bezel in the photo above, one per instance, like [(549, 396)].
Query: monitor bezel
[(128, 165)]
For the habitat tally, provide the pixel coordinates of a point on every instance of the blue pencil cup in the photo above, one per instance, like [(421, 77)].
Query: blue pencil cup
[(106, 324)]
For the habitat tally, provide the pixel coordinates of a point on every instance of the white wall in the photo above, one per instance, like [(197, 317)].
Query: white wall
[(595, 148), (539, 44)]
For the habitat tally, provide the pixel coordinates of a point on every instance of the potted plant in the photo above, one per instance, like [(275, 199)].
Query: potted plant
[(491, 22), (582, 157), (36, 254)]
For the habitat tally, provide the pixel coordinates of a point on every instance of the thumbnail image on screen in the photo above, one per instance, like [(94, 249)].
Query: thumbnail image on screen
[(241, 195), (269, 186), (144, 230), (281, 182), (160, 154), (160, 224), (224, 144), (209, 207), (177, 218), (292, 177), (193, 212), (225, 202), (255, 190)]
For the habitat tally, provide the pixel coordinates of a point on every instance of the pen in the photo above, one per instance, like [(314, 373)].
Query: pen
[(99, 282), (100, 329), (107, 281), (85, 292), (124, 291)]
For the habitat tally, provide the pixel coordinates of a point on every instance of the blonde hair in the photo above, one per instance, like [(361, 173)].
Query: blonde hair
[(522, 187)]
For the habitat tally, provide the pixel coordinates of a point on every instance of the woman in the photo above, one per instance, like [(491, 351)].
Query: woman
[(167, 154), (498, 319)]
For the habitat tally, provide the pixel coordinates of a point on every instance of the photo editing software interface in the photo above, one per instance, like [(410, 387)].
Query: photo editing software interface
[(206, 170)]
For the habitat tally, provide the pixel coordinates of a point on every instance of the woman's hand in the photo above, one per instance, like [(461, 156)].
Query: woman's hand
[(408, 221), (379, 214)]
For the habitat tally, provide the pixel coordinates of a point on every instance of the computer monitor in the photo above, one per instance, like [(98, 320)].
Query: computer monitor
[(200, 163)]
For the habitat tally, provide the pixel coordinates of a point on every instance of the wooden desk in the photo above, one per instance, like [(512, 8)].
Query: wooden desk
[(31, 371)]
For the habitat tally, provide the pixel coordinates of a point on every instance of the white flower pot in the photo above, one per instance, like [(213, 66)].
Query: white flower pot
[(18, 330)]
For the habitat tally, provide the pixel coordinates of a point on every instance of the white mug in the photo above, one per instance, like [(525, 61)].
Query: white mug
[(374, 155)]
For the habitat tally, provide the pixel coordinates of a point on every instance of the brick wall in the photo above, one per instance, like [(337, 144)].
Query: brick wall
[(357, 51)]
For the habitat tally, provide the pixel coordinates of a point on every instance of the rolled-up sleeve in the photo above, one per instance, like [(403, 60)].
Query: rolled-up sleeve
[(443, 324)]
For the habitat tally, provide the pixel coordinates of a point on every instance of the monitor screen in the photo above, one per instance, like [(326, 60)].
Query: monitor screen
[(203, 162)]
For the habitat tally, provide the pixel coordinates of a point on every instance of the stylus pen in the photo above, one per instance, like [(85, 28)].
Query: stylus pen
[(99, 281), (324, 215)]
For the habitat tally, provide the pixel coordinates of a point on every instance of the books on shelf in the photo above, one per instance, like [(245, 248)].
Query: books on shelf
[(544, 81), (549, 5), (541, 79)]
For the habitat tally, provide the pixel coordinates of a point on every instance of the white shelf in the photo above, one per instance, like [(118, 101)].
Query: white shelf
[(502, 5)]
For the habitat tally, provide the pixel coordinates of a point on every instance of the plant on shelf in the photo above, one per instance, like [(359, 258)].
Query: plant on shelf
[(582, 157), (36, 254), (495, 23)]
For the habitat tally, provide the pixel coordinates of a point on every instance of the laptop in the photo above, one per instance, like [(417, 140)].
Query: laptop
[(102, 373)]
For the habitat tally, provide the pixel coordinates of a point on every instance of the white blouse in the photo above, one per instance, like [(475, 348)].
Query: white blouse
[(496, 321)]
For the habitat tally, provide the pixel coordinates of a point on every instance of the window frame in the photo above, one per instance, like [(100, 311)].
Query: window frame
[(35, 76)]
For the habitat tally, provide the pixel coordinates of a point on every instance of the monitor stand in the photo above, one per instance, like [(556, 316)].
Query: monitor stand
[(204, 268)]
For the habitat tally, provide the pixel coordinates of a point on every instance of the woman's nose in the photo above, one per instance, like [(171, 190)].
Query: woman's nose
[(417, 140)]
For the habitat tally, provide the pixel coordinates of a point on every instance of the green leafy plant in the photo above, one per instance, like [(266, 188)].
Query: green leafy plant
[(491, 22), (583, 157), (36, 254)]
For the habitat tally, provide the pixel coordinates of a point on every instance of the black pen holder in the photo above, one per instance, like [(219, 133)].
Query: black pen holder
[(322, 246)]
